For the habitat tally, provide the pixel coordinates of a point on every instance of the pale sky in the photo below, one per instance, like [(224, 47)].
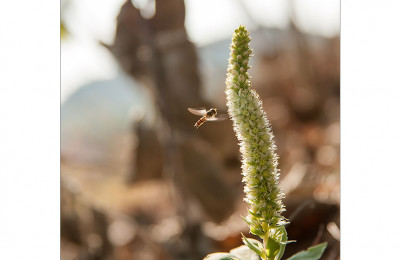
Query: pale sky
[(83, 60)]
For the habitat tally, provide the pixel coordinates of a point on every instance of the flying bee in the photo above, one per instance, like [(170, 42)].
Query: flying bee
[(207, 115)]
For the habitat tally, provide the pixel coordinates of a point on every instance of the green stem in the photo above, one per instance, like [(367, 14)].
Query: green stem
[(265, 238)]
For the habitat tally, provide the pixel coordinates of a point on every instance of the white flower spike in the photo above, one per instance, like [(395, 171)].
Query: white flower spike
[(253, 130)]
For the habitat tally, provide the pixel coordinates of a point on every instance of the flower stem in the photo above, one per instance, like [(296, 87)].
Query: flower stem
[(265, 239)]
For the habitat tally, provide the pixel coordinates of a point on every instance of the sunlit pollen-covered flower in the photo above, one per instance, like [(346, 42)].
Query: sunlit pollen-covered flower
[(259, 160)]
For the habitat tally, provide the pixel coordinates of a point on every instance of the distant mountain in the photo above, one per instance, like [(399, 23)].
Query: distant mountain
[(98, 113)]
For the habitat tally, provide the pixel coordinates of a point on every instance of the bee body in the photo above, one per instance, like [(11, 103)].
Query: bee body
[(200, 122), (206, 115)]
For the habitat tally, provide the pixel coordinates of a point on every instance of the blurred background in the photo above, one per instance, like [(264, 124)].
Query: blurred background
[(138, 181)]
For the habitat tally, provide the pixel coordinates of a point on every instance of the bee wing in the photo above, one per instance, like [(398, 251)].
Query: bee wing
[(219, 117), (198, 111)]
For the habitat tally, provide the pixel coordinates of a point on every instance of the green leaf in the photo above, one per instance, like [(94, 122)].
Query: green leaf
[(245, 253), (281, 232), (221, 256), (273, 248), (288, 242), (312, 253), (254, 245)]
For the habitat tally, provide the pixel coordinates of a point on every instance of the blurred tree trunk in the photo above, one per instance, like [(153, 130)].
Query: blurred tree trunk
[(157, 52)]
